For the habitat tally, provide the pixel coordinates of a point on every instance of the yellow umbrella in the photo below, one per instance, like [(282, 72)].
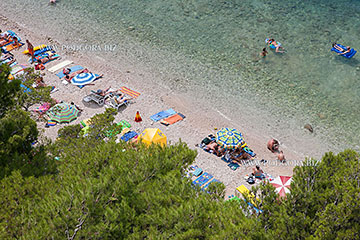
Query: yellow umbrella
[(153, 135)]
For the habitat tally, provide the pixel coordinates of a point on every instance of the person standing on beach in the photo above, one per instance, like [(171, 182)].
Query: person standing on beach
[(31, 50)]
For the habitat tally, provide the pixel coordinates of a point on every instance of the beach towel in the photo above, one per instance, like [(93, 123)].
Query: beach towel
[(233, 166), (129, 135), (129, 92), (44, 55), (42, 50), (72, 69), (12, 46), (51, 123), (173, 119), (204, 178), (125, 124), (249, 151), (163, 114), (60, 65), (207, 185)]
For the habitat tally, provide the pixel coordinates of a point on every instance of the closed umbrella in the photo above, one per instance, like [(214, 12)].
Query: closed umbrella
[(282, 185), (63, 112), (229, 138), (84, 78)]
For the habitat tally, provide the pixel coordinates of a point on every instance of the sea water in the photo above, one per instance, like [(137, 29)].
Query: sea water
[(212, 47)]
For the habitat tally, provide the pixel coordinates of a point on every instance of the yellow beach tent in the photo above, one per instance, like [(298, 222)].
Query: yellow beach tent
[(153, 135)]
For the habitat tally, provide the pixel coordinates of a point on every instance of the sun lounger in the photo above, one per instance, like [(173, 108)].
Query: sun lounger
[(116, 105), (60, 65), (172, 119), (204, 178), (129, 92), (72, 69), (163, 114), (93, 97)]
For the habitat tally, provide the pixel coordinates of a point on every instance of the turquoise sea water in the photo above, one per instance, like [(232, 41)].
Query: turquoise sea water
[(214, 45)]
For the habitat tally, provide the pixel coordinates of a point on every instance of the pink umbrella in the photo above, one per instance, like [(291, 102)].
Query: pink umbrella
[(282, 185)]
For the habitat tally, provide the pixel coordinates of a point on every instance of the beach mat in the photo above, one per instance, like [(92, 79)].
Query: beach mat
[(60, 65), (129, 92), (204, 178), (163, 114), (207, 185), (11, 47), (172, 119), (72, 69), (129, 135)]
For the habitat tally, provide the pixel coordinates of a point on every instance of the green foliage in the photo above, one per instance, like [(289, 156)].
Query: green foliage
[(8, 89), (36, 95), (324, 202), (118, 191), (17, 133)]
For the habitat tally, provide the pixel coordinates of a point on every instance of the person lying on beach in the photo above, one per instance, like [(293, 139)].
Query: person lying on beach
[(239, 155), (273, 145), (275, 44), (68, 77), (103, 92), (258, 173), (39, 82), (211, 146), (120, 98), (264, 52), (343, 51), (47, 59)]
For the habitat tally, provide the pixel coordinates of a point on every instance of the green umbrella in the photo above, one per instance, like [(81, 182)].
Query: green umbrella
[(63, 112)]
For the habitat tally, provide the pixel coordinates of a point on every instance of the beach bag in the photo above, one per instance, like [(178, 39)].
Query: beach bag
[(251, 180), (206, 141)]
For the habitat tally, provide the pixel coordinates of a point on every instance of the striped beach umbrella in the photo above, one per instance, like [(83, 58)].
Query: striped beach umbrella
[(63, 112), (83, 78), (229, 138), (282, 185)]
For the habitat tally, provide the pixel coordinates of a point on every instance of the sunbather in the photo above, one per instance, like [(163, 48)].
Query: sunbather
[(103, 92), (47, 59), (211, 146), (281, 156), (343, 51), (68, 77), (120, 98), (258, 173), (238, 155)]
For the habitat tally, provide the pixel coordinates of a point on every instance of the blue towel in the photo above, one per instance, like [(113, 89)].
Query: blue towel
[(347, 55), (204, 178), (163, 114), (129, 135), (249, 151), (26, 89), (233, 166), (73, 69), (205, 187)]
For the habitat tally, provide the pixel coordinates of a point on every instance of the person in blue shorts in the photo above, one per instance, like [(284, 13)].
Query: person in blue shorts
[(276, 45)]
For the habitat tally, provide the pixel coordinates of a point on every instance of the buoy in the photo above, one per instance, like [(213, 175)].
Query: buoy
[(137, 117)]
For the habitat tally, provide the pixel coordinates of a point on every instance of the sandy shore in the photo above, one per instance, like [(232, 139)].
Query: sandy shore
[(199, 122)]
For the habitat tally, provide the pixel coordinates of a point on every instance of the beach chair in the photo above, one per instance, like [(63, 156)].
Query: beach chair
[(114, 104), (93, 97)]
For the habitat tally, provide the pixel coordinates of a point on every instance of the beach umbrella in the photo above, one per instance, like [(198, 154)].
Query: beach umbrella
[(282, 185), (83, 78), (63, 112), (153, 135), (229, 138)]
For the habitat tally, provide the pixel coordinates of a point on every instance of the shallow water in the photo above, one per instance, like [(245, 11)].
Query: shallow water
[(212, 47)]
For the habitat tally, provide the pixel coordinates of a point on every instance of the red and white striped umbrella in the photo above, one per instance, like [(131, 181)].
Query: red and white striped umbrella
[(282, 184)]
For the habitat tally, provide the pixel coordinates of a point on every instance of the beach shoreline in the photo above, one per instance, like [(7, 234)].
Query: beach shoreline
[(200, 120)]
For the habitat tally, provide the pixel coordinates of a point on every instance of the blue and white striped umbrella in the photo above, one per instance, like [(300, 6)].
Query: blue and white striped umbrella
[(83, 78)]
